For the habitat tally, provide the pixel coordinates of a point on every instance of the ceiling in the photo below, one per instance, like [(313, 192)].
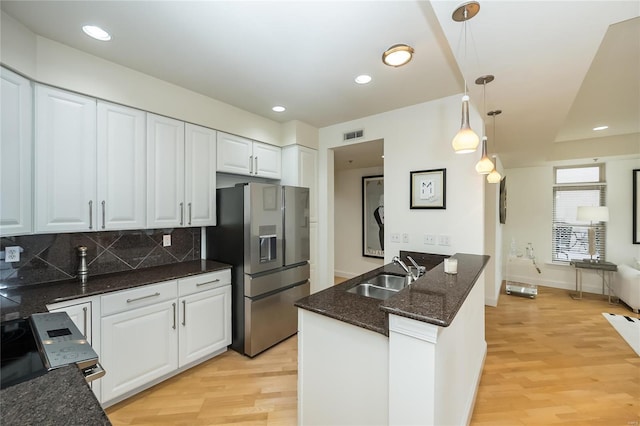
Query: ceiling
[(560, 66)]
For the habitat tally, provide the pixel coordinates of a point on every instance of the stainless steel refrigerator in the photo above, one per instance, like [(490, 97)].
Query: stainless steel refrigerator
[(263, 232)]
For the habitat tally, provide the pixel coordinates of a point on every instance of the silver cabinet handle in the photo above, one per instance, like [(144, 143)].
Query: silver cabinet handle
[(90, 214), (104, 215), (174, 316), (256, 159), (84, 310), (184, 313), (251, 164), (189, 213), (181, 214), (156, 294), (208, 282)]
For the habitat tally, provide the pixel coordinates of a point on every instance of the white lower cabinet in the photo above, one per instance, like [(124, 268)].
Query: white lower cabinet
[(151, 332), (80, 314), (205, 324), (138, 346)]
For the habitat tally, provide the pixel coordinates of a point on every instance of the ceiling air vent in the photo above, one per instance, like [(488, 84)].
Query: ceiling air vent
[(355, 134)]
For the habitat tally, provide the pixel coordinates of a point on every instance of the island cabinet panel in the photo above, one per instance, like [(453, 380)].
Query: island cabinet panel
[(16, 146), (434, 371), (333, 355)]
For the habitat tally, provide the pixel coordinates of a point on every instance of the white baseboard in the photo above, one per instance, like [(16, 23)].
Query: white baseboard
[(586, 287)]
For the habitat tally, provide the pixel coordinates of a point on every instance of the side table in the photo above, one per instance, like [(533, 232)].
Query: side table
[(601, 268)]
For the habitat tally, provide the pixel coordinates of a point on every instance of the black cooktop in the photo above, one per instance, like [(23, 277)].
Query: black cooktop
[(20, 359)]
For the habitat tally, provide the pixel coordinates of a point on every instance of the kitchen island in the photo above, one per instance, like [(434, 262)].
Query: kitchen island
[(415, 358)]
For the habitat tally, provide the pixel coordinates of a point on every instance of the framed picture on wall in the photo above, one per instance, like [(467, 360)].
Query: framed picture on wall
[(373, 216), (503, 200), (636, 206), (428, 189)]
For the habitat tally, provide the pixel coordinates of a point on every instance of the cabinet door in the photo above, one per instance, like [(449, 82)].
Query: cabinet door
[(65, 161), (138, 346), (165, 172), (15, 154), (205, 323), (200, 176), (80, 314), (121, 167), (235, 154), (267, 161)]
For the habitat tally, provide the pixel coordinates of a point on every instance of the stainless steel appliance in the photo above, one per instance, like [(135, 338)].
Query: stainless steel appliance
[(43, 342), (263, 232)]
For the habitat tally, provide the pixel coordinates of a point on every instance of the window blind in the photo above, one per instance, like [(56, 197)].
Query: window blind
[(570, 236)]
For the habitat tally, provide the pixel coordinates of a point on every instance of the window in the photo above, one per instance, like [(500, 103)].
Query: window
[(577, 186)]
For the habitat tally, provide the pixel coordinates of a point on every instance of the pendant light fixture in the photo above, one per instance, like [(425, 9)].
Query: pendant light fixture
[(466, 140), (485, 165), (494, 176)]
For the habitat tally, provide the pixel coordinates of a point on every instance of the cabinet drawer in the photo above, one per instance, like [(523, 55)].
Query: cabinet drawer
[(204, 282), (139, 296)]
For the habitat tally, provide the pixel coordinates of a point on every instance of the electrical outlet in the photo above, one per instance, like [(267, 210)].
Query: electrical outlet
[(444, 240), (405, 238), (166, 240), (429, 239), (395, 238), (12, 254)]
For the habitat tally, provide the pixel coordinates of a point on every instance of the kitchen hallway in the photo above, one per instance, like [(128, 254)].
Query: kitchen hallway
[(552, 360)]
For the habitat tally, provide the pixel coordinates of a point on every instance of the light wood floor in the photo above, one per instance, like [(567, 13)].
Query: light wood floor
[(552, 360)]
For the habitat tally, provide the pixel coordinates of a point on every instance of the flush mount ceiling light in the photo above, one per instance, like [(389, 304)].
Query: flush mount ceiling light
[(96, 32), (279, 108), (397, 55), (600, 128), (494, 176), (485, 165), (363, 79), (466, 140)]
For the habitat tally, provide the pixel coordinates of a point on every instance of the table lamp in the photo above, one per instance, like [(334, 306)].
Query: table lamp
[(592, 214)]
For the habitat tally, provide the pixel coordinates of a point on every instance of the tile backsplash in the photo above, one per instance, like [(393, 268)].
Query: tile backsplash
[(53, 257)]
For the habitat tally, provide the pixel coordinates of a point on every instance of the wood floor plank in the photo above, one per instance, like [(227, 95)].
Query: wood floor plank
[(550, 360)]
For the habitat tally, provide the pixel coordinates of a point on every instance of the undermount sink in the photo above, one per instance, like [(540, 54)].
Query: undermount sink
[(388, 281), (381, 286)]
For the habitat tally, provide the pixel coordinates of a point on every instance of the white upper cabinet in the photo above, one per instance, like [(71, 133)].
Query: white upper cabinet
[(301, 169), (16, 143), (121, 167), (267, 160), (200, 176), (235, 154), (65, 161), (245, 157), (165, 172)]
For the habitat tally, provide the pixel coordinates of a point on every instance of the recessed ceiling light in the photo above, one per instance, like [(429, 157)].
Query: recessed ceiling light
[(96, 32), (278, 108), (397, 55), (600, 128), (363, 79)]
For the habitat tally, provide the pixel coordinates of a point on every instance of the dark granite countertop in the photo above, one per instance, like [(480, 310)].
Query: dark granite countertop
[(60, 397), (435, 297), (26, 300)]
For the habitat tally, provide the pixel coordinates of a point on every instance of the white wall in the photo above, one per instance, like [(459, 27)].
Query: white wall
[(416, 138), (529, 216), (56, 64), (493, 240), (348, 257)]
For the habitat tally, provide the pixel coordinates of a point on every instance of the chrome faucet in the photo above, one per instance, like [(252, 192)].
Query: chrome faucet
[(420, 270), (403, 265)]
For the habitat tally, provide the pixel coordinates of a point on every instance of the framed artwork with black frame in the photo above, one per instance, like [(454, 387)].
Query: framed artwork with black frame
[(636, 206), (373, 216), (428, 189), (503, 200)]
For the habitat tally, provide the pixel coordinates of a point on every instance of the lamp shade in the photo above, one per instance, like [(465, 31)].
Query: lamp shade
[(466, 140), (593, 214)]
